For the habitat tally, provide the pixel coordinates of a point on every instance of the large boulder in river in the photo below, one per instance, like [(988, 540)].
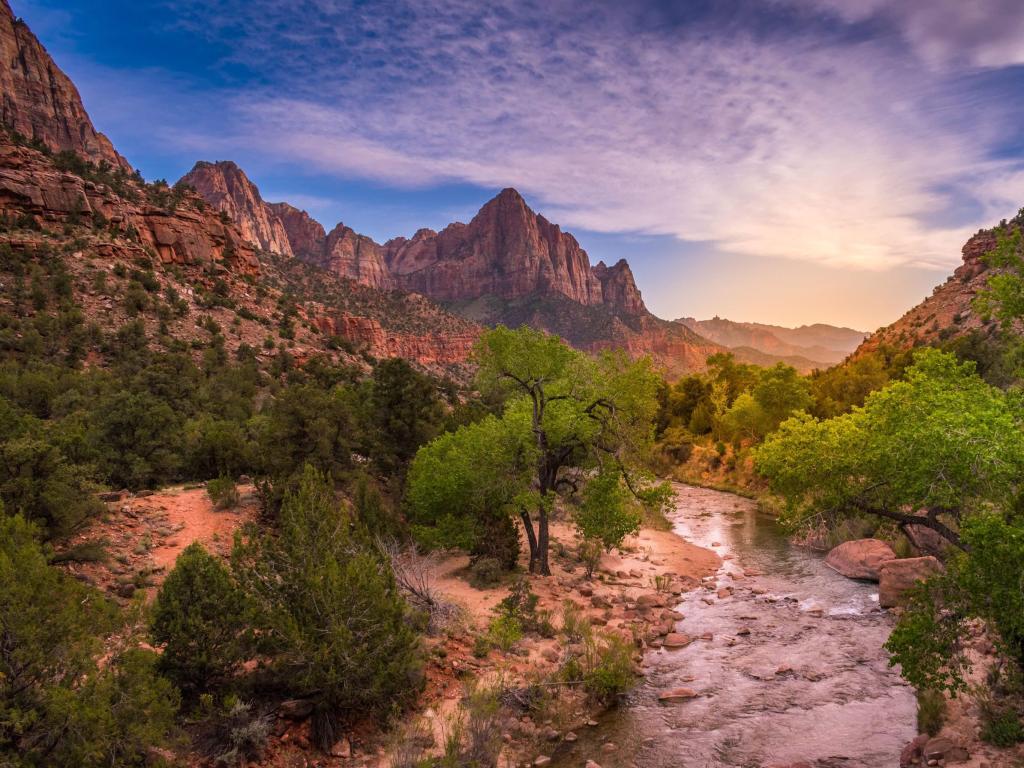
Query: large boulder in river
[(860, 558), (895, 577)]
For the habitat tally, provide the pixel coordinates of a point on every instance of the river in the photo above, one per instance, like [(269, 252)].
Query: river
[(794, 669)]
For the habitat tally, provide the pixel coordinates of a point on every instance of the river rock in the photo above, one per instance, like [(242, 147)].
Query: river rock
[(941, 748), (676, 640), (860, 558), (674, 695), (895, 577)]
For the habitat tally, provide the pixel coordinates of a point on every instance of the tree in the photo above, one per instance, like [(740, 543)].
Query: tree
[(608, 512), (201, 618), (926, 451), (134, 434), (405, 413), (328, 611), (566, 414), (58, 706), (463, 483)]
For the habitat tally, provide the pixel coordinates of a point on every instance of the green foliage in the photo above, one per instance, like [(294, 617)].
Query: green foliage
[(200, 618), (1003, 297), (133, 437), (607, 511), (222, 492), (405, 412), (486, 572), (931, 711), (607, 667), (57, 706), (941, 440), (329, 611), (504, 632)]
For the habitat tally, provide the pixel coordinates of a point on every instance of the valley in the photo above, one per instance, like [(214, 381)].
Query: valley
[(274, 494)]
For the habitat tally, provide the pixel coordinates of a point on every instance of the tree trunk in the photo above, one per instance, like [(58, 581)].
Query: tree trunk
[(531, 538), (542, 541)]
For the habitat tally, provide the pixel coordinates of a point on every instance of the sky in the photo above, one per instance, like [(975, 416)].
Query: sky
[(783, 161)]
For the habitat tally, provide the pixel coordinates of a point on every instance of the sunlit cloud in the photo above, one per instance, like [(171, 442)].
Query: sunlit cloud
[(798, 143)]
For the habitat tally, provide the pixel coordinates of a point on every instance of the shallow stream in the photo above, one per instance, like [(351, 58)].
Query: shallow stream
[(794, 670)]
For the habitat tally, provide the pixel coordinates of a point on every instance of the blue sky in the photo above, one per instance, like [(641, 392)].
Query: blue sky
[(787, 161)]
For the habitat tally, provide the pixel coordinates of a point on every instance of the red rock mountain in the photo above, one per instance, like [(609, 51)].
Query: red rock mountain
[(806, 347), (948, 313), (509, 252), (225, 186), (40, 101)]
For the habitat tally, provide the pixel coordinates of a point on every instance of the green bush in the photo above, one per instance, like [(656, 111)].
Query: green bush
[(57, 706), (201, 620), (931, 711), (504, 632), (486, 572), (222, 492), (329, 612), (607, 667)]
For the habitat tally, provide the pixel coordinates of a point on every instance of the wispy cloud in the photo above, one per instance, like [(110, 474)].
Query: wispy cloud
[(805, 142)]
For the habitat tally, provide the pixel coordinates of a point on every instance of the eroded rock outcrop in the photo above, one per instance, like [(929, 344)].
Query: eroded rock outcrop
[(226, 187), (30, 184), (506, 250), (348, 254), (40, 102), (306, 235), (442, 347)]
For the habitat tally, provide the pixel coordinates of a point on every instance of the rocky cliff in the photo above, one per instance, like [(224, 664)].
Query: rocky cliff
[(226, 187), (949, 312), (506, 250), (40, 102), (35, 190), (306, 235)]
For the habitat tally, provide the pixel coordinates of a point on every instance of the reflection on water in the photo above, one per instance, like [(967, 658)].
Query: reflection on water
[(794, 669)]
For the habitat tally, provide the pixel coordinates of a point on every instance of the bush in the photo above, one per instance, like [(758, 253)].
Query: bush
[(607, 667), (485, 572), (222, 493), (200, 619), (931, 711), (590, 551), (504, 632), (234, 735), (329, 611), (57, 706)]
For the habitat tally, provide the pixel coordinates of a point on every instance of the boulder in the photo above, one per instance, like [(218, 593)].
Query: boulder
[(860, 558), (295, 709), (941, 748), (674, 695), (895, 577), (676, 640)]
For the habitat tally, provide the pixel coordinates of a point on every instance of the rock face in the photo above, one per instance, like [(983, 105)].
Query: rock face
[(226, 187), (186, 236), (949, 312), (859, 559), (40, 101), (443, 347), (507, 251), (895, 577), (820, 345), (357, 257), (618, 288), (306, 235)]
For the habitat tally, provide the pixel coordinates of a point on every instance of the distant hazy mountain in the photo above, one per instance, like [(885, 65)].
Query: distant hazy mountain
[(808, 346)]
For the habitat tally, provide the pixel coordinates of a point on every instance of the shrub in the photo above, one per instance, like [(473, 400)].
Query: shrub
[(607, 667), (235, 734), (575, 625), (590, 551), (504, 632), (200, 618), (223, 493), (329, 611), (57, 707), (931, 711), (485, 572)]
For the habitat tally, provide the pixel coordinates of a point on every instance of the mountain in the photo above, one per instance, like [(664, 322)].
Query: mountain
[(509, 252), (806, 347), (507, 265), (281, 228), (948, 313), (40, 102)]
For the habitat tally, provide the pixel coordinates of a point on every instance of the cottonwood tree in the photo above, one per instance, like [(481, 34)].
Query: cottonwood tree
[(926, 451), (567, 417)]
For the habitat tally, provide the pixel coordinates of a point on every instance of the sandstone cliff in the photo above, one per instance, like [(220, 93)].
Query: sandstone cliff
[(226, 187), (507, 251), (306, 235), (948, 313), (40, 102)]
